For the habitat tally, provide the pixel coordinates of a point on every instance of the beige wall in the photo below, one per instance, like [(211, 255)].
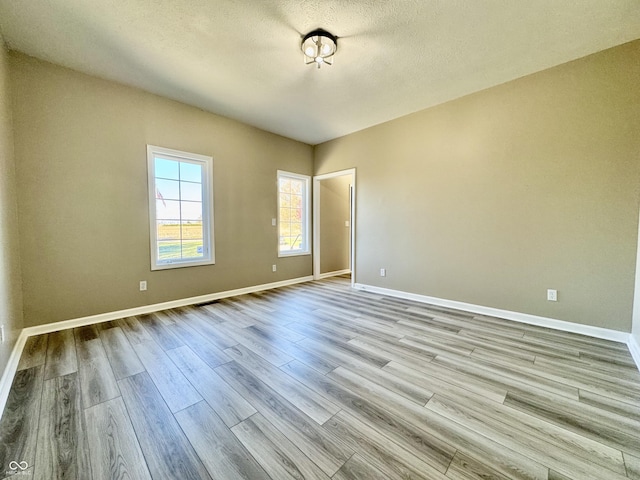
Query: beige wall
[(80, 146), (10, 279), (495, 197), (334, 235), (635, 327)]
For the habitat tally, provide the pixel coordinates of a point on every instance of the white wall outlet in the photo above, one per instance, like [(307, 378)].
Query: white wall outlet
[(552, 295), (273, 222), (274, 268), (383, 272), (1, 333), (347, 223), (143, 285)]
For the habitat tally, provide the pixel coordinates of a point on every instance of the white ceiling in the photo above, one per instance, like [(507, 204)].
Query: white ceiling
[(242, 58)]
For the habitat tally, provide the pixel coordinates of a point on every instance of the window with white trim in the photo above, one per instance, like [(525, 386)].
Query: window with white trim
[(293, 214), (180, 208)]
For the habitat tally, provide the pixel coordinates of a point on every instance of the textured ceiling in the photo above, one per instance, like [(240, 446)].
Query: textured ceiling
[(241, 58)]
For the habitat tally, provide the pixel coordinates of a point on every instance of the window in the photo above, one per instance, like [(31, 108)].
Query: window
[(293, 214), (180, 208)]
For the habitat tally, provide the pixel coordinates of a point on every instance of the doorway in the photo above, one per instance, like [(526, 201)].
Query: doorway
[(334, 197)]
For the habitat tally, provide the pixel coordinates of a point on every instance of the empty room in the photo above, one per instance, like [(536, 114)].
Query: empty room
[(280, 239)]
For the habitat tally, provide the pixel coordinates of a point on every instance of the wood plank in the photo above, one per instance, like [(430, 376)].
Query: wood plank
[(208, 352), (605, 427), (366, 326), (303, 355), (225, 401), (344, 353), (563, 460), (586, 367), (62, 450), (327, 451), (379, 450), (204, 324), (395, 353), (367, 404), (320, 331), (61, 354), (463, 467), (447, 382), (122, 357), (601, 402), (394, 383), (34, 352), (85, 333), (159, 331), (229, 314), (632, 464), (279, 457), (553, 475), (19, 424), (134, 330), (560, 339), (97, 382), (514, 345), (256, 344), (621, 390), (512, 379), (275, 334), (435, 347), (171, 383), (495, 456), (222, 453), (161, 439), (358, 467), (315, 406), (528, 425), (490, 355), (198, 311), (114, 449)]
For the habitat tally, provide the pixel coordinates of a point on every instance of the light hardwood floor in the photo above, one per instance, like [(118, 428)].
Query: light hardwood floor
[(319, 381)]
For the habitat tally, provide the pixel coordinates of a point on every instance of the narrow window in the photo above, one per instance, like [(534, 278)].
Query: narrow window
[(293, 214), (180, 208)]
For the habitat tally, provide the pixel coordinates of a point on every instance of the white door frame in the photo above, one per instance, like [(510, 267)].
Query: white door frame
[(316, 222)]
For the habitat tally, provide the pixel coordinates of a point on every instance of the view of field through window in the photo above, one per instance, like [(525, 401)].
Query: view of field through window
[(178, 209), (291, 191)]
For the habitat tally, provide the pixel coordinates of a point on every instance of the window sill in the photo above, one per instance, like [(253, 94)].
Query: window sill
[(292, 254), (167, 266)]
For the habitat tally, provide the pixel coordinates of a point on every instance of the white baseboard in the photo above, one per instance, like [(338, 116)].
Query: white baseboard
[(552, 323), (10, 369), (333, 274), (634, 349), (12, 365), (105, 317)]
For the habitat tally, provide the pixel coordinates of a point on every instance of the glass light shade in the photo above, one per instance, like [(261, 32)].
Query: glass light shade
[(319, 47)]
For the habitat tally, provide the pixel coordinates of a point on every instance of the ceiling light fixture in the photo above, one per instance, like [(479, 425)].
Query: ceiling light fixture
[(319, 47)]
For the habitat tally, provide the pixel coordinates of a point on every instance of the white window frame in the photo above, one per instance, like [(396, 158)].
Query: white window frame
[(306, 214), (207, 207)]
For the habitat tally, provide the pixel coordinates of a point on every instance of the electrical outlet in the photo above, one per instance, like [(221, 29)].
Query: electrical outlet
[(143, 285), (273, 222), (273, 268), (1, 333), (552, 295), (383, 272)]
